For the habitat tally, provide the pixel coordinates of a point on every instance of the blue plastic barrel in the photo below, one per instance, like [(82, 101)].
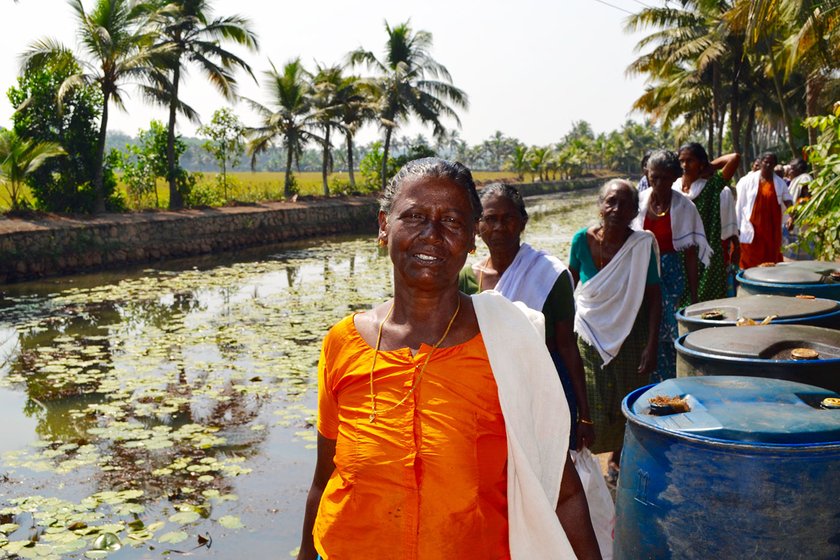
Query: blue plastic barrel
[(816, 278), (751, 471)]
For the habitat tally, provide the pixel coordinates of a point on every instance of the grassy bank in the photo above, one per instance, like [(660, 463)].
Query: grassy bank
[(251, 187)]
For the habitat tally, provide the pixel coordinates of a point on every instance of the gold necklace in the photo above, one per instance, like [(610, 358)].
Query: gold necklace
[(373, 412), (658, 214)]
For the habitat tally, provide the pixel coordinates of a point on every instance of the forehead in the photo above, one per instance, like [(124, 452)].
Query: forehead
[(429, 190), (499, 204), (618, 190), (770, 158)]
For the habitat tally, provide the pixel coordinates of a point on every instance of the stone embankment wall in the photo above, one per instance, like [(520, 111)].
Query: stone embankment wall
[(55, 245)]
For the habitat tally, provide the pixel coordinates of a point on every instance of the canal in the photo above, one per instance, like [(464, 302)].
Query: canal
[(171, 409)]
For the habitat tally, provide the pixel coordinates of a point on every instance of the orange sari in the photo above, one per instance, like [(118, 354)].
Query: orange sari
[(427, 480), (766, 218)]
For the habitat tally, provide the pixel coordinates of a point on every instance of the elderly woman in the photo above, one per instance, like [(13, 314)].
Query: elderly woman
[(540, 281), (442, 426), (619, 304), (704, 182), (680, 236)]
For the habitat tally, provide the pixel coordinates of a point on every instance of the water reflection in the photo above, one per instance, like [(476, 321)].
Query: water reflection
[(190, 381)]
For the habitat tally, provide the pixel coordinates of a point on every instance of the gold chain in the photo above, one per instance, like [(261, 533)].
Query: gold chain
[(373, 412)]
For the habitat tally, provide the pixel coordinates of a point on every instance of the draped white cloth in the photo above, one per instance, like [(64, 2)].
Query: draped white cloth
[(686, 226), (530, 277), (728, 218), (796, 184), (607, 305), (536, 421), (747, 189)]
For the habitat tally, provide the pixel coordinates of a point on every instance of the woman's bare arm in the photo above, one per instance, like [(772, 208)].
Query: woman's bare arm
[(573, 513), (691, 271), (728, 164), (324, 468)]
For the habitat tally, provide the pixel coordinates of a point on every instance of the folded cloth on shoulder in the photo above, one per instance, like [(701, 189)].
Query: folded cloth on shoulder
[(686, 225), (608, 303), (530, 277), (536, 422)]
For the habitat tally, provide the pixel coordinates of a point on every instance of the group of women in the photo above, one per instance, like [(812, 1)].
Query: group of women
[(445, 419)]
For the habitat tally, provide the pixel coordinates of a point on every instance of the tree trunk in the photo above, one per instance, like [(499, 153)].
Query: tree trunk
[(325, 161), (287, 185), (813, 88), (99, 174), (349, 137), (735, 112), (749, 149), (176, 201), (384, 177), (780, 96), (710, 142)]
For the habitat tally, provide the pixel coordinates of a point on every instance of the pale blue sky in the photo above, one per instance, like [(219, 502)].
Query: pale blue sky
[(530, 67)]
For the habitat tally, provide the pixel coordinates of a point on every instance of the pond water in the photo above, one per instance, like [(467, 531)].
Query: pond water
[(172, 409)]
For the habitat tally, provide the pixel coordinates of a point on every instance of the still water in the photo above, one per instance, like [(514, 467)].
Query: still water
[(172, 409)]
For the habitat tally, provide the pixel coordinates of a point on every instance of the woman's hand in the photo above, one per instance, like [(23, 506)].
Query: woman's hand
[(648, 362), (585, 435)]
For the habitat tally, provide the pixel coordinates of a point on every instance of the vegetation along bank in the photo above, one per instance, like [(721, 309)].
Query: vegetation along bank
[(57, 245)]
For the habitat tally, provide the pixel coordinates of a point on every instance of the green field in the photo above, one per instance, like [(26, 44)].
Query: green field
[(252, 187)]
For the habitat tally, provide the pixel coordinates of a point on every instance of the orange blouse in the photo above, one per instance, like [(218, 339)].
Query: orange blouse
[(427, 480)]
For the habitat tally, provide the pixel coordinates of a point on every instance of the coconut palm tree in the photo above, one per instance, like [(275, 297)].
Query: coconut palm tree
[(410, 82), (187, 30), (115, 51), (290, 119), (357, 102), (18, 158)]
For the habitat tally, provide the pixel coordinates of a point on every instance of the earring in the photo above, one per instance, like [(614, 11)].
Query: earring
[(381, 241), (472, 251)]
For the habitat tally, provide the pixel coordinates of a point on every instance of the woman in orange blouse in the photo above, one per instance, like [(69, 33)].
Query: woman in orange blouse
[(417, 430)]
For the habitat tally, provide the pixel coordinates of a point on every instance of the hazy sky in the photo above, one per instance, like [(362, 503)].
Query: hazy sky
[(530, 67)]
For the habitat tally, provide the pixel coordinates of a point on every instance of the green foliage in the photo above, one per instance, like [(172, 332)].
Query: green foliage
[(370, 169), (819, 219), (143, 162), (61, 184), (225, 143), (196, 192), (19, 158)]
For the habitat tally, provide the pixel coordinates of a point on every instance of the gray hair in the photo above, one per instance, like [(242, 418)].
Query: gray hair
[(667, 160), (602, 192), (432, 167), (506, 191)]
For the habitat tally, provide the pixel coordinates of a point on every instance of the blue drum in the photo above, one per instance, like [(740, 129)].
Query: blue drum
[(750, 470), (816, 278)]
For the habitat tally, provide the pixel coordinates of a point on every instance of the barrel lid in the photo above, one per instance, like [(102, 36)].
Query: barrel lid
[(795, 272), (770, 342), (757, 307), (749, 410)]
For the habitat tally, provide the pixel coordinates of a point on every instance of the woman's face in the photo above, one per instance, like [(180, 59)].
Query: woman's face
[(429, 231), (619, 207), (691, 164), (501, 224), (661, 178)]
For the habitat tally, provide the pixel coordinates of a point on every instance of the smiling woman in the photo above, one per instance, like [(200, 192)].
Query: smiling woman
[(424, 410)]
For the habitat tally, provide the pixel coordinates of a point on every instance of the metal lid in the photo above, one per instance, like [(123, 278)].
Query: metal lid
[(757, 307), (795, 272), (750, 410), (771, 342)]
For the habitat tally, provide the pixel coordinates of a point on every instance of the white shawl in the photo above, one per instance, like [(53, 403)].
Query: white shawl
[(536, 421), (607, 305), (796, 184), (686, 225), (530, 277), (728, 218), (747, 189)]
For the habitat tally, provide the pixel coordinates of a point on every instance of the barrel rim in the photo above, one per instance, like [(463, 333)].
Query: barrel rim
[(713, 442), (780, 285), (754, 361), (798, 320)]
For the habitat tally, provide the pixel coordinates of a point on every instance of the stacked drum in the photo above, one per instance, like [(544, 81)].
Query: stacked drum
[(737, 456)]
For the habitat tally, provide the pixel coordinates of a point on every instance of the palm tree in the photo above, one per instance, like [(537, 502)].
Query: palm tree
[(518, 161), (116, 51), (189, 32), (411, 82), (291, 119), (357, 102), (18, 158), (331, 91)]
